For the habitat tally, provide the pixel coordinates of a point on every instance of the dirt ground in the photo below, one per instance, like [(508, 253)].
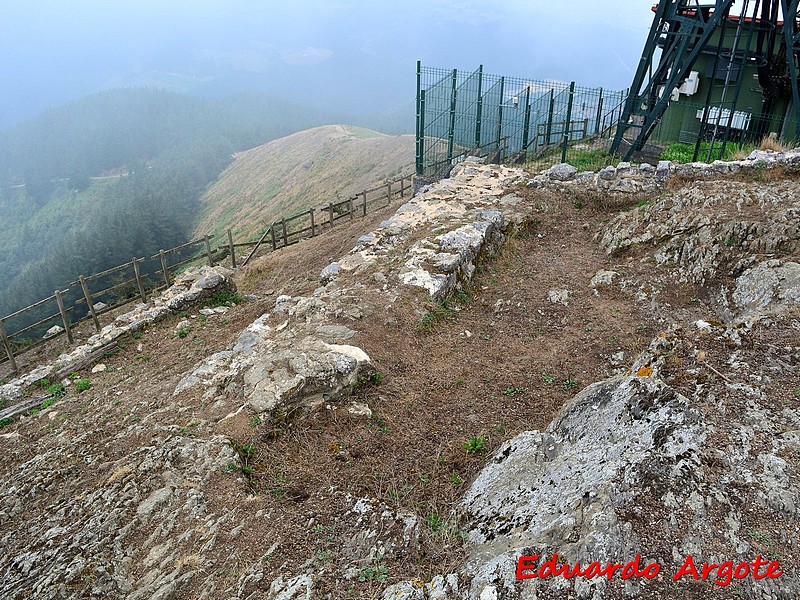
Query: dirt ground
[(499, 359)]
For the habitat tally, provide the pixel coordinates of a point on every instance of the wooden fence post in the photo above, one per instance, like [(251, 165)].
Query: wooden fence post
[(7, 346), (313, 229), (138, 275), (88, 297), (208, 251), (330, 211), (285, 237), (272, 235), (350, 206), (164, 270), (64, 318), (233, 249), (389, 193)]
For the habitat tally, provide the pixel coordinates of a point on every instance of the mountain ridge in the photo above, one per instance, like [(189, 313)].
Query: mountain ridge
[(299, 171)]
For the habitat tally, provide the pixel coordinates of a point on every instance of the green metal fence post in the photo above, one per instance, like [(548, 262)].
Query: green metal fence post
[(419, 129), (421, 156), (452, 130), (549, 129), (599, 112), (526, 128), (479, 112), (500, 117), (568, 122)]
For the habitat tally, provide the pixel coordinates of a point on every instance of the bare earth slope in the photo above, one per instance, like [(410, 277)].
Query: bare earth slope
[(552, 369), (294, 173)]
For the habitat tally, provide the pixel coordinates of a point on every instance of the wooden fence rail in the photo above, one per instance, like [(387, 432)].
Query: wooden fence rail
[(134, 280)]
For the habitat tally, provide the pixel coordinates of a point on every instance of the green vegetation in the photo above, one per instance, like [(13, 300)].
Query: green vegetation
[(362, 381), (683, 153), (4, 422), (514, 391), (224, 298), (476, 444), (589, 159), (375, 572), (83, 384), (437, 312)]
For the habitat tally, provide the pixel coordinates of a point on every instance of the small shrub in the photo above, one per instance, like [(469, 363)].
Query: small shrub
[(476, 444), (375, 572), (83, 384), (772, 142), (224, 298), (4, 422), (55, 389), (42, 383), (183, 332), (437, 312), (570, 383), (514, 391), (373, 378)]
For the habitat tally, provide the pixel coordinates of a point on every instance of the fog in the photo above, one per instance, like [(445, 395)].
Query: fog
[(353, 57)]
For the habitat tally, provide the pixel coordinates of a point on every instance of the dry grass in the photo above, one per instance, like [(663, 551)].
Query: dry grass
[(292, 174), (771, 142)]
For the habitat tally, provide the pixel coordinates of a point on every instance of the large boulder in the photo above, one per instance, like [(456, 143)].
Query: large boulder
[(563, 489)]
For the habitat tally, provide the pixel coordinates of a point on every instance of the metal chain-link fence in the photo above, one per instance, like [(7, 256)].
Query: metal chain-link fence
[(529, 121)]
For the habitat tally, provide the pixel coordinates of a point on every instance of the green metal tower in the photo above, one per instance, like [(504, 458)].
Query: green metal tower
[(742, 69)]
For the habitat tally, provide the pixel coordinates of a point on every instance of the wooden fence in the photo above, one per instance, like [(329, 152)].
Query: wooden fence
[(89, 297)]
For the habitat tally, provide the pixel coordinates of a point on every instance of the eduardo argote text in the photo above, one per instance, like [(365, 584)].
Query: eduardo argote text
[(529, 567)]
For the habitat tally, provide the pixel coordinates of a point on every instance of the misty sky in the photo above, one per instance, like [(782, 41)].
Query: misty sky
[(353, 57)]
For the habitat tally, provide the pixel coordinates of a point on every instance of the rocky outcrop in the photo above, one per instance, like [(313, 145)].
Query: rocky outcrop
[(108, 541), (283, 368), (710, 228), (769, 287), (676, 454)]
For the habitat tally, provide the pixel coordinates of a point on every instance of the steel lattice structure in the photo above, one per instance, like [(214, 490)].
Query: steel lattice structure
[(763, 38)]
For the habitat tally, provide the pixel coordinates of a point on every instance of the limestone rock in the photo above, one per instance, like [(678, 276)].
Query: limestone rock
[(562, 172), (330, 272), (771, 286), (53, 331), (545, 490), (559, 296), (603, 278)]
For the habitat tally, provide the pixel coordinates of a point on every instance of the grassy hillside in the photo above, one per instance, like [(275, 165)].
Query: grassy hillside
[(302, 170)]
